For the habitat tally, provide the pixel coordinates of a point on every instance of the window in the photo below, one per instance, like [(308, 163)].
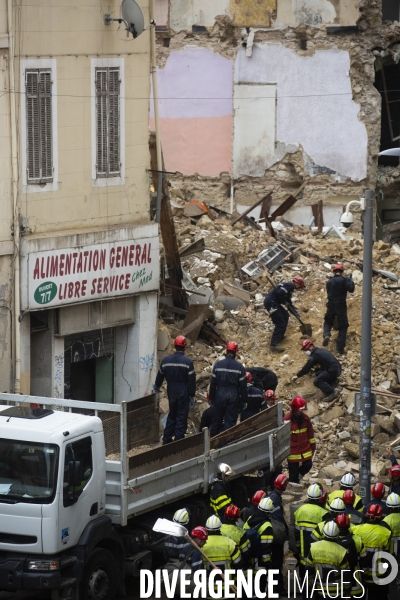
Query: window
[(108, 162), (78, 469), (390, 10), (39, 146)]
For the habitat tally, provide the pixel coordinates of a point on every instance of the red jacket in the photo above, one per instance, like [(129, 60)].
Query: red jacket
[(302, 441)]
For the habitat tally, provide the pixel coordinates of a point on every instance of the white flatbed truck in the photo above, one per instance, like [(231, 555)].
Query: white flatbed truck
[(71, 492)]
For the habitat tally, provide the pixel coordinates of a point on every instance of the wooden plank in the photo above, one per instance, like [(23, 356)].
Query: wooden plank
[(211, 333), (249, 426), (253, 224), (168, 232), (166, 456), (248, 210), (317, 212), (174, 287), (198, 246), (239, 270), (194, 320), (285, 206), (172, 309)]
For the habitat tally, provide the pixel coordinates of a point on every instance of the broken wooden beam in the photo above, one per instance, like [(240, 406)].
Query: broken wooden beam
[(248, 210), (239, 270), (198, 246), (285, 206), (174, 287), (317, 211), (253, 224), (172, 309)]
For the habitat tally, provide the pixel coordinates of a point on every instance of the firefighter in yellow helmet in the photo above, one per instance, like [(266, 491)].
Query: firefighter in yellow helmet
[(306, 519), (221, 550), (329, 559)]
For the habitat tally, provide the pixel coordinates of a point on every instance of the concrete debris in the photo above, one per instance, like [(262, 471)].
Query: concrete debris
[(238, 314)]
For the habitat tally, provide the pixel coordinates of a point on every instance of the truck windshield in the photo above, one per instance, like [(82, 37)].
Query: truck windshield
[(28, 471)]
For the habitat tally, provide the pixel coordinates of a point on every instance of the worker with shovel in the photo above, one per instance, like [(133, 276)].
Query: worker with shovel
[(329, 370), (281, 294), (337, 288)]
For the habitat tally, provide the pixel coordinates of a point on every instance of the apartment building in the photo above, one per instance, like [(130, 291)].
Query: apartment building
[(79, 263)]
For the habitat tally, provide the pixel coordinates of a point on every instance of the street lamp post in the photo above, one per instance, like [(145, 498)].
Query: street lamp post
[(366, 343)]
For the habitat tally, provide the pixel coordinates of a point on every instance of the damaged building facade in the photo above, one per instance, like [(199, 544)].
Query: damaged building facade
[(261, 96)]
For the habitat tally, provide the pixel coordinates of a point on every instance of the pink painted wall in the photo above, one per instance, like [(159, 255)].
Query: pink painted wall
[(195, 95)]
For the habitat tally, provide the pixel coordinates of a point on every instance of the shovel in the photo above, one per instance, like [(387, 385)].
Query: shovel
[(305, 328), (171, 528)]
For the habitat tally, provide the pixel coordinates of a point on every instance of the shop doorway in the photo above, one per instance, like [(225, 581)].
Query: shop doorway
[(89, 367)]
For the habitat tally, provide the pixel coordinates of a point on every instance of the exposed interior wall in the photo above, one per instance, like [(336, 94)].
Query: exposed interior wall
[(254, 128)]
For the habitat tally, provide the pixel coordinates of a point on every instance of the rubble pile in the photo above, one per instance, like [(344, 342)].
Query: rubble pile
[(249, 324)]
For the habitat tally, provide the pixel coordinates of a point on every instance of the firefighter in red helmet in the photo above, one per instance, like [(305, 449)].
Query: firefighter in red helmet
[(179, 372), (337, 288), (228, 390), (329, 368), (273, 304), (302, 440)]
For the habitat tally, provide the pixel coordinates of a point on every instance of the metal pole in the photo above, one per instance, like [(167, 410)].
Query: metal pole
[(366, 343), (156, 108)]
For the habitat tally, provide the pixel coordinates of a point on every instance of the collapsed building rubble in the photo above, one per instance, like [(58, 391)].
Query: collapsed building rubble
[(216, 267)]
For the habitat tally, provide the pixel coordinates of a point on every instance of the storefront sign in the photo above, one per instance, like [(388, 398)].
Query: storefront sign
[(100, 271)]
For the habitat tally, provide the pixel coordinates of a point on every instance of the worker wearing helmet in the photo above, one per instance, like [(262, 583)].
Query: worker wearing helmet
[(337, 288), (251, 510), (173, 545), (354, 515), (279, 488), (394, 473), (377, 494), (336, 508), (393, 521), (255, 400), (347, 482), (302, 440), (190, 557), (375, 535), (233, 531), (220, 496), (228, 390), (263, 378), (179, 372), (355, 552), (306, 519), (261, 534), (328, 560), (279, 295), (222, 551), (329, 368)]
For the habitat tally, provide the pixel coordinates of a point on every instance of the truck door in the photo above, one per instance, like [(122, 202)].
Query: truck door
[(79, 494)]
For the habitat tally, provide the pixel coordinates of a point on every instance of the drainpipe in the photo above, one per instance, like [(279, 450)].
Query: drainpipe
[(155, 101), (14, 182)]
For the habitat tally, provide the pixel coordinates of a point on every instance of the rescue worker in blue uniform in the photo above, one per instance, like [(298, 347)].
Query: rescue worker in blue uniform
[(173, 545), (255, 400), (179, 372), (328, 372), (228, 390), (337, 288), (281, 294)]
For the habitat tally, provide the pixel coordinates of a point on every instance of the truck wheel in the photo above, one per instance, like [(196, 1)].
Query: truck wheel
[(100, 577)]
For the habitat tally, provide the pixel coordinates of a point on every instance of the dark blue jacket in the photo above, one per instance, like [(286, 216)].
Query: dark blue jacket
[(228, 373), (279, 295), (337, 288), (194, 558), (394, 489), (173, 546), (178, 370), (255, 402), (324, 359), (277, 513)]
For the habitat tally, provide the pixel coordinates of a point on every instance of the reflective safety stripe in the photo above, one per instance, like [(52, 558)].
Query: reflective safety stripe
[(229, 371), (311, 440), (175, 365), (296, 431), (300, 456), (191, 372)]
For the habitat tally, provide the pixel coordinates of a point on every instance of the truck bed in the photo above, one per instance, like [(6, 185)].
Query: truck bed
[(149, 480)]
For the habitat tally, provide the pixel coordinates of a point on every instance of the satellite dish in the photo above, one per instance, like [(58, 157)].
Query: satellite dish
[(132, 15)]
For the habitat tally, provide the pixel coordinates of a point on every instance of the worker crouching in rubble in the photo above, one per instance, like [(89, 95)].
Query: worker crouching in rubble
[(329, 368), (255, 400), (302, 441), (337, 288), (281, 294)]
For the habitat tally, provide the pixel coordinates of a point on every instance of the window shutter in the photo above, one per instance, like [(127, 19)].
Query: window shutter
[(46, 152), (101, 122), (32, 126), (114, 141), (39, 126), (108, 122)]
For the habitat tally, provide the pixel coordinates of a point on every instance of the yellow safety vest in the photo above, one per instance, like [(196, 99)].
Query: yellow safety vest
[(327, 557), (307, 518), (375, 537), (393, 520)]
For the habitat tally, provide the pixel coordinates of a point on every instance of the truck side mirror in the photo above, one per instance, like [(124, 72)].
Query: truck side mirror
[(75, 474)]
